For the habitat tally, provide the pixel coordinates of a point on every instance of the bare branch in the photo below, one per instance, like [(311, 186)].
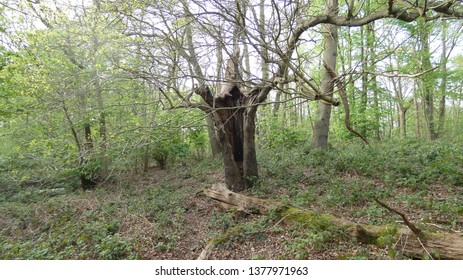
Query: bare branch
[(396, 75), (345, 103), (412, 227)]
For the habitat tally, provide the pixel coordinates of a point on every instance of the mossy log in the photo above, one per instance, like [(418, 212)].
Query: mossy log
[(424, 245)]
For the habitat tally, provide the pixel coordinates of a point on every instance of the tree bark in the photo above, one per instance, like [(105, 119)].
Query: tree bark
[(234, 114), (402, 105), (250, 169), (330, 35), (371, 39), (216, 149), (443, 84), (417, 111), (87, 178), (427, 82), (263, 49), (364, 55)]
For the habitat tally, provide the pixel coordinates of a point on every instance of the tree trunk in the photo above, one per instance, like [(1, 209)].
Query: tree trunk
[(263, 49), (330, 35), (216, 149), (237, 137), (250, 170), (427, 82), (402, 105), (364, 54), (406, 240), (417, 111), (402, 121), (102, 130), (233, 172), (86, 182), (87, 178), (234, 114), (391, 117), (371, 39), (192, 58), (146, 159), (276, 106), (443, 84)]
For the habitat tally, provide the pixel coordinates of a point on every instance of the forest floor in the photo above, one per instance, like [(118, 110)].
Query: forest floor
[(163, 214)]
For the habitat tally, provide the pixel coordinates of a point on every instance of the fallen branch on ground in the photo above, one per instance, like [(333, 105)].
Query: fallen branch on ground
[(425, 244)]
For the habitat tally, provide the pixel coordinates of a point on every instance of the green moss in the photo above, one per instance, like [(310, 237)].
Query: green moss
[(389, 229), (231, 233), (308, 218)]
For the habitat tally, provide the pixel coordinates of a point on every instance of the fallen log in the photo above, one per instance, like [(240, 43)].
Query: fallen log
[(430, 245)]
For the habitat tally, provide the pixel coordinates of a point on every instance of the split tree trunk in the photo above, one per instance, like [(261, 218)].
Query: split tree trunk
[(435, 245), (234, 114)]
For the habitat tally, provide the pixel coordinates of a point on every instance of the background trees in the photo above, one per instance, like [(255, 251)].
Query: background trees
[(99, 85)]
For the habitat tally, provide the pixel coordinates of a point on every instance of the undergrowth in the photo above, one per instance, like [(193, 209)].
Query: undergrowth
[(125, 219)]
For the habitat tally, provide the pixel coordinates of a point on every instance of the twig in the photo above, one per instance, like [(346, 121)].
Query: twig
[(206, 252), (397, 242), (275, 225), (415, 230), (427, 252), (443, 228), (395, 75)]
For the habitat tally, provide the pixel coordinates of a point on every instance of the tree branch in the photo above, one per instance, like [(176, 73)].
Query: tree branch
[(345, 103), (412, 227), (397, 75), (402, 12)]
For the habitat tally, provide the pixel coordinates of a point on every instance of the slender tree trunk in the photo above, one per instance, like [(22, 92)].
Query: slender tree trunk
[(309, 116), (216, 149), (246, 58), (443, 84), (276, 106), (263, 49), (427, 82), (364, 52), (371, 39), (330, 35), (402, 122), (146, 159), (102, 129), (442, 110), (416, 101), (87, 177), (391, 117), (377, 111), (401, 108), (250, 169), (247, 64), (214, 141)]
